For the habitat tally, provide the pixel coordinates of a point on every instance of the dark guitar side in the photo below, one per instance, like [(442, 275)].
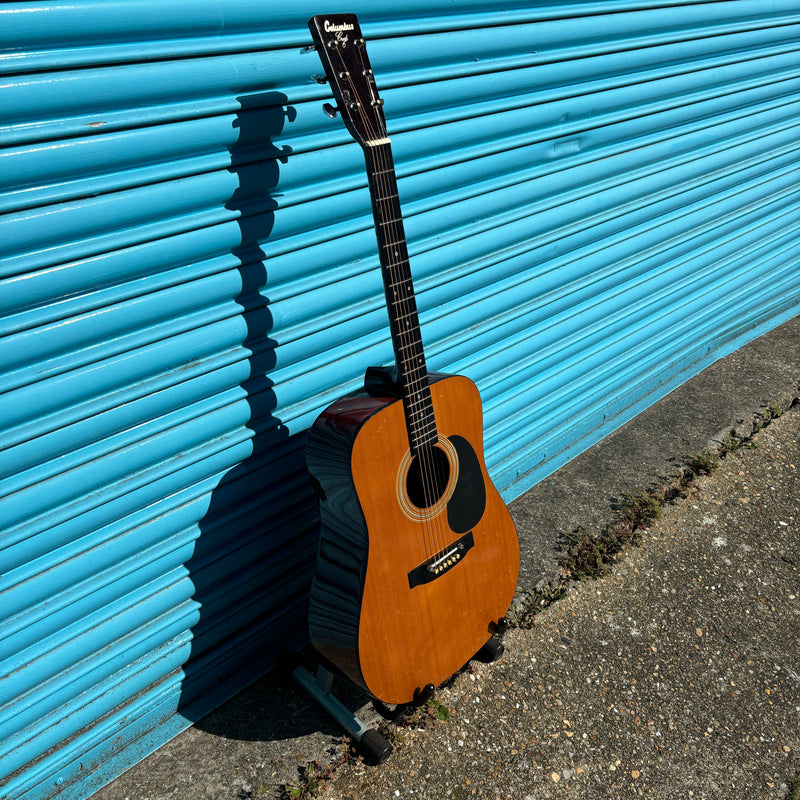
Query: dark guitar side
[(365, 616)]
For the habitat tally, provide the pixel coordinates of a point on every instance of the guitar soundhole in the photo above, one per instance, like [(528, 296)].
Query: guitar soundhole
[(428, 475)]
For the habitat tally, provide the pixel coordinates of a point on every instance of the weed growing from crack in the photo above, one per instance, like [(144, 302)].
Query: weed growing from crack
[(590, 554), (416, 716), (438, 710), (640, 510), (311, 777), (523, 618), (734, 441), (704, 463)]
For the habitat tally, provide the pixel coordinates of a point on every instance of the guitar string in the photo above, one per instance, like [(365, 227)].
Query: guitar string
[(393, 285), (415, 373), (431, 477)]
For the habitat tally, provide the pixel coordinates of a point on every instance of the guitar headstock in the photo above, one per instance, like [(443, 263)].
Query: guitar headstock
[(343, 53)]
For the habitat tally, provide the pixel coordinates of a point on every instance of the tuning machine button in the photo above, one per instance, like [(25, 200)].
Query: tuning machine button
[(319, 78), (330, 110)]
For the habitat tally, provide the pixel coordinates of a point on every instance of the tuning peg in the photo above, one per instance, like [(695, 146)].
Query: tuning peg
[(330, 110), (319, 78)]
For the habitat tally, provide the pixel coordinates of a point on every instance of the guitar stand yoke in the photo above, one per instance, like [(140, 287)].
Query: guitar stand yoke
[(374, 747)]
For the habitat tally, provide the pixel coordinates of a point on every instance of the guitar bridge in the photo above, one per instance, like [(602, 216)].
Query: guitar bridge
[(441, 562)]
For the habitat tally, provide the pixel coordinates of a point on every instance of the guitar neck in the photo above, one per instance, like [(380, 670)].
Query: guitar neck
[(399, 290), (343, 54)]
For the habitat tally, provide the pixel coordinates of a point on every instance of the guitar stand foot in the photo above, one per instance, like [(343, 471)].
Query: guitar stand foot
[(491, 651), (373, 746)]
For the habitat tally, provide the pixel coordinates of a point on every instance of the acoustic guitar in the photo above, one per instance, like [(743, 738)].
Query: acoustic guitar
[(418, 555)]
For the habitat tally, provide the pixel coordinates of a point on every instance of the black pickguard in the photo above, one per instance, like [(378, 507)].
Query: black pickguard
[(466, 506)]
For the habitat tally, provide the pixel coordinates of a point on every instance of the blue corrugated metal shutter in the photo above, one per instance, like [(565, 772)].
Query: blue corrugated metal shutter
[(601, 199)]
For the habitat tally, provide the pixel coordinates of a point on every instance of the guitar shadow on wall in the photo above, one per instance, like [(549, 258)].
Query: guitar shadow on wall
[(251, 562)]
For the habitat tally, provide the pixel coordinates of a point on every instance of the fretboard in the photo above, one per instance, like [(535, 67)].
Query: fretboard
[(399, 291)]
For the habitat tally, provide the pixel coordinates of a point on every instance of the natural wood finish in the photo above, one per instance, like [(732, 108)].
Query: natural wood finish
[(410, 637)]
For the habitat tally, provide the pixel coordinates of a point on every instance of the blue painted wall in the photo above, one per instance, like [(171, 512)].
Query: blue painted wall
[(601, 199)]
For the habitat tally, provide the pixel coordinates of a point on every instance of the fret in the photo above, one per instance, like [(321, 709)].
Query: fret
[(417, 375), (413, 363), (416, 380), (420, 430), (417, 404), (417, 386), (424, 437), (422, 423), (420, 403), (418, 395), (422, 411), (422, 427), (427, 436), (415, 395), (417, 409), (393, 274), (407, 317), (420, 408)]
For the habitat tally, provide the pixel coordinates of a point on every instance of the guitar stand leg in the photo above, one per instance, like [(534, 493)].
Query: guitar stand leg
[(373, 746)]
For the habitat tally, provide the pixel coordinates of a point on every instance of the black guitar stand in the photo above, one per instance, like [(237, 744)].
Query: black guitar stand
[(373, 746)]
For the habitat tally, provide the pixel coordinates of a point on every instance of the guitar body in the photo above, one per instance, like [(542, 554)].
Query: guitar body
[(409, 584)]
